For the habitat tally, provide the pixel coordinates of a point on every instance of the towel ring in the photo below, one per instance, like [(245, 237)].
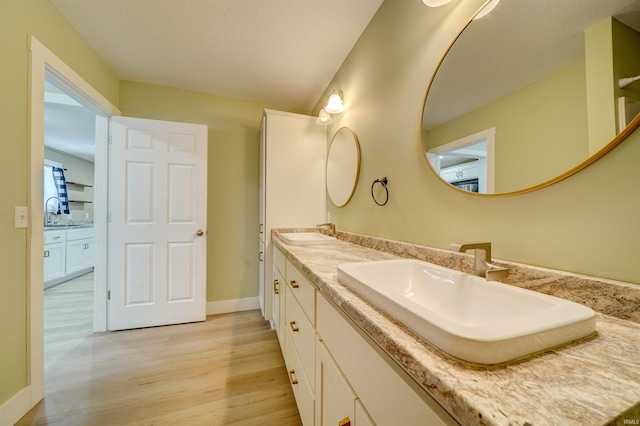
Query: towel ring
[(382, 182)]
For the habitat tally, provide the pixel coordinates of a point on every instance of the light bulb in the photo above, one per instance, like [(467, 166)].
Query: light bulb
[(334, 106)]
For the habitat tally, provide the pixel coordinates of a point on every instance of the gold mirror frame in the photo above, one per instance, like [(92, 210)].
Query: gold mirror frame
[(345, 171), (619, 138)]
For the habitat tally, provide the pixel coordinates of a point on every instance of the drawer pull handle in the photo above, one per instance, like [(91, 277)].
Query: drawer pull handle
[(345, 422), (260, 258), (293, 379), (293, 326), (56, 238), (294, 284), (46, 253), (276, 287)]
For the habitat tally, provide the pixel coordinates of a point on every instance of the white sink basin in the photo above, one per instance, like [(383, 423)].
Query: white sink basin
[(465, 315), (306, 238)]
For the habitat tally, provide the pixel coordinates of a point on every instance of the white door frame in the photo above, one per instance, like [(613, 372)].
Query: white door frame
[(42, 61)]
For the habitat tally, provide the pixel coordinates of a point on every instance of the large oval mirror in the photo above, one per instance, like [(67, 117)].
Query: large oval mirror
[(531, 91), (343, 166)]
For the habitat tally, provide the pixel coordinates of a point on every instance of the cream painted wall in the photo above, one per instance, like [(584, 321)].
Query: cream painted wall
[(544, 123), (587, 223), (18, 19), (233, 177)]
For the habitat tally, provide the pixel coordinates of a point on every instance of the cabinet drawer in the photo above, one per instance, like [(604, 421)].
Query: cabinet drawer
[(299, 384), (279, 260), (303, 335), (54, 237), (303, 290)]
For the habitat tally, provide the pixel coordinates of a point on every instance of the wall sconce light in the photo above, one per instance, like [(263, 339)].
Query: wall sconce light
[(334, 106), (324, 117)]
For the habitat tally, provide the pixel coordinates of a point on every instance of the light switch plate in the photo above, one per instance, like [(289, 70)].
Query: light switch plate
[(21, 217)]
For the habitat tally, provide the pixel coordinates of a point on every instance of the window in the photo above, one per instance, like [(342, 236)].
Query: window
[(50, 189)]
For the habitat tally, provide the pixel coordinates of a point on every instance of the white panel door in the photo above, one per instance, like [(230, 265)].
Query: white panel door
[(157, 225)]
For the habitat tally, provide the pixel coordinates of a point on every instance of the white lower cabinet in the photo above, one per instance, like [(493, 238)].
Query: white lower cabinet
[(335, 400), (302, 390), (67, 253), (339, 376), (54, 262)]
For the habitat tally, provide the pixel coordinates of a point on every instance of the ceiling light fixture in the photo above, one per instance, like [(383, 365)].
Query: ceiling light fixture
[(624, 82), (435, 3), (334, 106), (324, 118)]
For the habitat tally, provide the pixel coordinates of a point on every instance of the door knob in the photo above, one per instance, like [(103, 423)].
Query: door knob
[(199, 232)]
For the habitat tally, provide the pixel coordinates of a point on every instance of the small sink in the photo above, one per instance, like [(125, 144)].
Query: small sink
[(473, 319), (306, 238)]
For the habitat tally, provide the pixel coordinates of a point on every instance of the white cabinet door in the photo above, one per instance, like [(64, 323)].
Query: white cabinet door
[(88, 253), (54, 261), (79, 255), (74, 255), (158, 218), (335, 400), (292, 183)]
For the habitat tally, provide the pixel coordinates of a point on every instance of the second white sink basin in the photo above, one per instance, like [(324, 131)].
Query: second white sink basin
[(465, 315), (306, 238)]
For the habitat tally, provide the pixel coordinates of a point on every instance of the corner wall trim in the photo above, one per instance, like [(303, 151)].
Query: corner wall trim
[(233, 305), (16, 407)]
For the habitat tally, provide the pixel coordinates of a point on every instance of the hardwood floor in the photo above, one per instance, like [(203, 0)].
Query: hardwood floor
[(227, 370)]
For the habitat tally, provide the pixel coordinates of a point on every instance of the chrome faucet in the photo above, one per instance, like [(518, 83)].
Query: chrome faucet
[(46, 209), (482, 257), (331, 226)]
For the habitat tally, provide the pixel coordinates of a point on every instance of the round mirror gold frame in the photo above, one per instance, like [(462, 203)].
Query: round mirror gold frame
[(620, 137), (343, 166)]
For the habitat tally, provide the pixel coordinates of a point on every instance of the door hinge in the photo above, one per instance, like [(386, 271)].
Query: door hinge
[(110, 139), (109, 218), (108, 294)]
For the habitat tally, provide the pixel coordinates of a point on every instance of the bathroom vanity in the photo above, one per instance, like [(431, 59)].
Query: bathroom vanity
[(349, 361)]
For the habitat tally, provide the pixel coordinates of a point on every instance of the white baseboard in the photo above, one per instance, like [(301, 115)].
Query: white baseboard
[(233, 305), (16, 407)]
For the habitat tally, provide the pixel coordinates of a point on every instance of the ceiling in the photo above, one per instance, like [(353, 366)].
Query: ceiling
[(283, 53), (518, 43)]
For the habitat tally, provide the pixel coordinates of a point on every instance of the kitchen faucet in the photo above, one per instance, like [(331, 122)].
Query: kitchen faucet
[(482, 257), (331, 226), (46, 209)]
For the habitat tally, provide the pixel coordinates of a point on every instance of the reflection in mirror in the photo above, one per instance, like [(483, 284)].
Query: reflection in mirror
[(544, 75), (343, 166)]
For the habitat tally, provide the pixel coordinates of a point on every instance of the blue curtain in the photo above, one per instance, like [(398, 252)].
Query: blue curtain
[(61, 186)]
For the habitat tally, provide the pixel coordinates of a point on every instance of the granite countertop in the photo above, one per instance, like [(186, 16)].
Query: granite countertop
[(67, 227), (594, 381)]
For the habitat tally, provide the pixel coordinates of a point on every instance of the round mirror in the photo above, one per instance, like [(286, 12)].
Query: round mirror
[(531, 93), (343, 166)]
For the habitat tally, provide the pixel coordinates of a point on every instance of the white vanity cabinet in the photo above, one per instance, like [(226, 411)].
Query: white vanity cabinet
[(292, 184), (299, 350), (338, 374), (80, 250), (385, 394), (54, 256), (278, 294)]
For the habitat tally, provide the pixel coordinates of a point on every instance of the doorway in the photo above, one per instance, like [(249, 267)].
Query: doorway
[(69, 241), (44, 65)]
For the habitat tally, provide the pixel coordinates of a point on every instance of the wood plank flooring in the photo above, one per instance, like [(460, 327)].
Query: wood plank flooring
[(227, 370)]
